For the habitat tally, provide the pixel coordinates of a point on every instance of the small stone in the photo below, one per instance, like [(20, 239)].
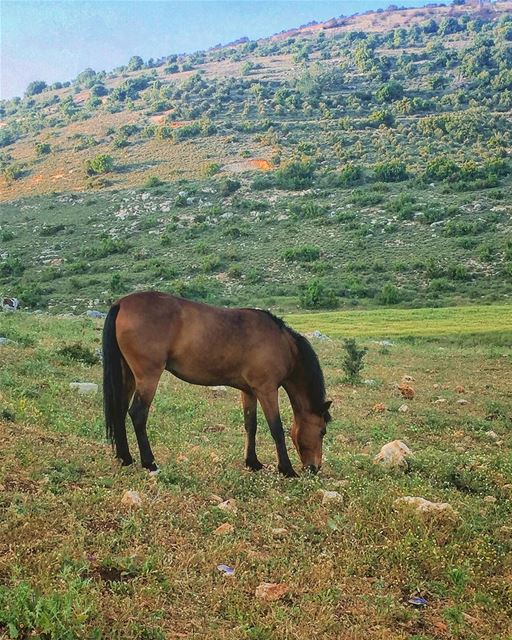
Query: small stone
[(215, 499), (460, 389), (131, 499), (271, 591), (436, 386), (407, 379), (403, 408), (393, 455), (462, 401), (224, 529), (279, 532), (228, 505), (329, 497), (492, 434), (440, 401), (84, 388), (490, 499), (379, 407), (406, 391), (425, 507)]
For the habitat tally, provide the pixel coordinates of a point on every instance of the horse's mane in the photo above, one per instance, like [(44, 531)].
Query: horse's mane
[(314, 378)]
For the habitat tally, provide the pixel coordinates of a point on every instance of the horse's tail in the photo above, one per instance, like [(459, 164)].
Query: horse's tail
[(114, 401)]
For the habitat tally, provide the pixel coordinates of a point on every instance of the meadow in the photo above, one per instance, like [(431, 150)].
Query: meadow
[(76, 563)]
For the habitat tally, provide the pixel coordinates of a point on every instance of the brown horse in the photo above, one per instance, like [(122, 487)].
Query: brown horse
[(248, 349)]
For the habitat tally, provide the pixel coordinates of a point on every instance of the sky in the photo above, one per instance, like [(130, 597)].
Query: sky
[(54, 40)]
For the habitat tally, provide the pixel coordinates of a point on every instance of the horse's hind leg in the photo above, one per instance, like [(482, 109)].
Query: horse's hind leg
[(122, 449), (144, 394), (270, 404), (249, 404)]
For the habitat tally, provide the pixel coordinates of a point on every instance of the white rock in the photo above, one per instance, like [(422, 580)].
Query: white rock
[(492, 434), (228, 505), (425, 507), (393, 455), (462, 401), (329, 497), (403, 408), (84, 388), (131, 499)]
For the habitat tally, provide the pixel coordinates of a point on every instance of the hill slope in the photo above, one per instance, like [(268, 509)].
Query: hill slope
[(357, 161)]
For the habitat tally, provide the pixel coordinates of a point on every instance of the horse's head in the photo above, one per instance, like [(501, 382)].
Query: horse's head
[(307, 433)]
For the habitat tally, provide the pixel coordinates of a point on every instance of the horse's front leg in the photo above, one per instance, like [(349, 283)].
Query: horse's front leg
[(249, 404), (270, 404)]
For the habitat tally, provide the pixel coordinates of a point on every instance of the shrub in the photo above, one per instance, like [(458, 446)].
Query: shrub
[(78, 353), (153, 181), (389, 92), (102, 163), (352, 363), (295, 175), (212, 168), (35, 87), (391, 171), (306, 253), (316, 295), (228, 186), (43, 148), (390, 294), (441, 168)]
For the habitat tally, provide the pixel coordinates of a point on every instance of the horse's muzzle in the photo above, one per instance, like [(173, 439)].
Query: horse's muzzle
[(312, 468)]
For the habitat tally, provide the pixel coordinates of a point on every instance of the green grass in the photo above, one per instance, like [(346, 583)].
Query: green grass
[(75, 563), (410, 323)]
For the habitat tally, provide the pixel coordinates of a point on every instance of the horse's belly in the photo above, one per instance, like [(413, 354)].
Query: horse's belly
[(205, 377)]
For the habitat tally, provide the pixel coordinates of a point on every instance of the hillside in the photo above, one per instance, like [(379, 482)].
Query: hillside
[(356, 162)]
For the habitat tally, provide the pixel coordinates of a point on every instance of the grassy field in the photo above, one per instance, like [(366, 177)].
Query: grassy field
[(411, 323), (76, 563)]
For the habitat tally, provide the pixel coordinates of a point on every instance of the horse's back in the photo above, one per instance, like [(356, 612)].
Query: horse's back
[(202, 343)]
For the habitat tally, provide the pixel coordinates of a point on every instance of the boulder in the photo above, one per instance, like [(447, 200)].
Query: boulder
[(393, 455), (329, 497), (84, 388), (131, 499), (425, 507)]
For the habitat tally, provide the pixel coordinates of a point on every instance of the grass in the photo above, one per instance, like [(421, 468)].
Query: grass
[(75, 563), (409, 323)]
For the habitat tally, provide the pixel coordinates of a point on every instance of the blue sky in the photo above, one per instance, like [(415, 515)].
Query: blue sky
[(55, 40)]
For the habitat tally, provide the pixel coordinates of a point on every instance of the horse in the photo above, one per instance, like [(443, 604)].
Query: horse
[(248, 349)]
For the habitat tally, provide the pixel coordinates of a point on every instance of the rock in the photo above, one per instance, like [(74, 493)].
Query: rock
[(492, 434), (436, 386), (384, 343), (407, 379), (462, 401), (403, 408), (131, 499), (406, 391), (279, 532), (490, 499), (84, 388), (228, 505), (425, 507), (215, 499), (460, 389), (224, 529), (370, 382), (6, 341), (271, 591), (91, 313), (393, 455), (329, 497), (318, 335), (440, 401), (379, 407)]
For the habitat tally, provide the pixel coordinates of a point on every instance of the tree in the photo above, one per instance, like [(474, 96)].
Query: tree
[(316, 295), (135, 63), (389, 92), (35, 87), (391, 171), (102, 163), (353, 361)]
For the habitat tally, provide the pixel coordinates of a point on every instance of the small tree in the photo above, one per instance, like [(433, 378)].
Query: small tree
[(35, 87), (102, 163), (353, 361)]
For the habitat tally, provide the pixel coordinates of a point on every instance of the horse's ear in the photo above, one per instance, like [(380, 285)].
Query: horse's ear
[(327, 405)]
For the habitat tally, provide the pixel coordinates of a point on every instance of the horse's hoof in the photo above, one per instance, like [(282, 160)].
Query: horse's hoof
[(289, 473), (254, 465), (154, 472), (127, 462)]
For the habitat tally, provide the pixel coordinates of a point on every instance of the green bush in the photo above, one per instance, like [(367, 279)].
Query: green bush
[(295, 175), (391, 171), (352, 363), (316, 295), (390, 294), (43, 148), (101, 164), (306, 253)]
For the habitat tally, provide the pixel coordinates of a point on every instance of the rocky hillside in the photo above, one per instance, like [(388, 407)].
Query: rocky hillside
[(364, 160)]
